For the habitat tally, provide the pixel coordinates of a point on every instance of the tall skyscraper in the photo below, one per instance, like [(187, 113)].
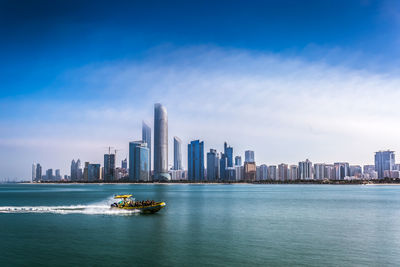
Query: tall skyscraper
[(196, 161), (293, 174), (249, 156), (146, 137), (177, 153), (94, 171), (138, 161), (272, 172), (33, 172), (109, 167), (238, 161), (212, 165), (58, 175), (282, 172), (124, 163), (384, 161), (264, 172), (38, 172), (85, 171), (250, 171), (305, 170), (160, 143), (319, 171), (228, 151)]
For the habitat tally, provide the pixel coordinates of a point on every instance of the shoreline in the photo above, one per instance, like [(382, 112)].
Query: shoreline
[(308, 182)]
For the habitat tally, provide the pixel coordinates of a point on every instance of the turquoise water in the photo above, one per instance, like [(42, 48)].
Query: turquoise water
[(230, 225)]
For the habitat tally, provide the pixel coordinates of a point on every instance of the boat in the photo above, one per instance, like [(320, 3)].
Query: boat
[(127, 202)]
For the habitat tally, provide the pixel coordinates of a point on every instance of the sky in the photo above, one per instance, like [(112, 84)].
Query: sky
[(288, 79)]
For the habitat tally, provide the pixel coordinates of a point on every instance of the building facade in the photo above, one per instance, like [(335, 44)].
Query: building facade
[(384, 161), (160, 143), (196, 161), (138, 161), (177, 153), (212, 165)]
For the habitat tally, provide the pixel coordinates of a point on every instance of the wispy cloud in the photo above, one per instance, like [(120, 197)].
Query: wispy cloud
[(284, 108)]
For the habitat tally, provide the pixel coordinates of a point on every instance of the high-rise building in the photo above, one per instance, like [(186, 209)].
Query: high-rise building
[(319, 171), (138, 161), (124, 163), (212, 165), (305, 170), (177, 153), (368, 169), (146, 137), (264, 172), (342, 170), (355, 170), (250, 171), (196, 161), (282, 172), (272, 172), (223, 164), (293, 172), (85, 171), (160, 143), (38, 172), (94, 171), (33, 172), (76, 171), (384, 161), (228, 152), (109, 167), (231, 174), (49, 175), (238, 161), (330, 172), (58, 175), (249, 156), (239, 173)]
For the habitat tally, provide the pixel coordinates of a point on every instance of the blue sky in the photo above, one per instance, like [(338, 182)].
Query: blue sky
[(289, 79)]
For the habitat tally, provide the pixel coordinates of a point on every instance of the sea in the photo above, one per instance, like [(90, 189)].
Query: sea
[(202, 225)]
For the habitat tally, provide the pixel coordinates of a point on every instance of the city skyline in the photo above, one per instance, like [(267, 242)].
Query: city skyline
[(212, 166), (309, 83)]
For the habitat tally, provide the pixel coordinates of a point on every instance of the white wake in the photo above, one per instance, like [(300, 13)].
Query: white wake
[(96, 209)]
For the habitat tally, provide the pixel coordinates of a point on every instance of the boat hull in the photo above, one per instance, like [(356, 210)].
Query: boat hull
[(145, 209)]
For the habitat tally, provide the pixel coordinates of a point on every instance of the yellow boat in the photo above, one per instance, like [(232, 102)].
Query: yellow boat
[(128, 203)]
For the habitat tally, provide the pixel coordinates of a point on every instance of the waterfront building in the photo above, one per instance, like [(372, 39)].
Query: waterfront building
[(263, 172), (212, 165), (258, 173), (223, 164), (330, 172), (238, 161), (146, 138), (124, 163), (249, 156), (160, 143), (178, 175), (85, 172), (49, 175), (368, 169), (282, 172), (138, 161), (228, 152), (239, 173), (196, 160), (356, 171), (33, 172), (342, 170), (319, 171), (293, 172), (177, 153), (249, 171), (38, 172), (272, 172), (58, 175), (305, 170), (94, 172), (384, 161), (109, 167), (396, 167), (231, 174)]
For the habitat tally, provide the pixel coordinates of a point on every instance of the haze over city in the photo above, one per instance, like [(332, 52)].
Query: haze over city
[(287, 84)]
